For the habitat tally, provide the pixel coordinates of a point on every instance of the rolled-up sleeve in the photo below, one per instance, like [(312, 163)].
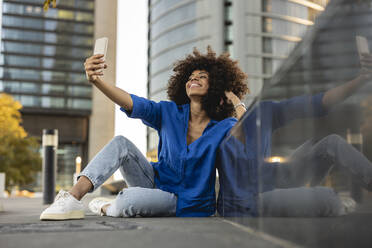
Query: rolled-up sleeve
[(296, 108), (146, 110)]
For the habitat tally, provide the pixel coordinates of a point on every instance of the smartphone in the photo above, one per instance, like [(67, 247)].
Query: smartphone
[(100, 47), (362, 45)]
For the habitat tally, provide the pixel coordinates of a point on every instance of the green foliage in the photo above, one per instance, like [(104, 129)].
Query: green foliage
[(19, 155), (48, 2)]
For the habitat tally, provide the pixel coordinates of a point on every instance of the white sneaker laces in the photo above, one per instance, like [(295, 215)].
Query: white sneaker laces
[(61, 197)]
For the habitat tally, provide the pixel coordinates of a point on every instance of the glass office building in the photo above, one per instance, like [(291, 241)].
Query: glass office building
[(41, 65)]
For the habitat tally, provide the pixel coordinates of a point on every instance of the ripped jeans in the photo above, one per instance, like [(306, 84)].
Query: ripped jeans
[(141, 197)]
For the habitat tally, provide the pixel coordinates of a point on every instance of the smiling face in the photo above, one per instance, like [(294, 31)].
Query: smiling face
[(197, 84)]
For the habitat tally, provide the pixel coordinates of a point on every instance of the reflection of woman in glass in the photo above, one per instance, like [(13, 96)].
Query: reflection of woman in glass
[(250, 186), (190, 128)]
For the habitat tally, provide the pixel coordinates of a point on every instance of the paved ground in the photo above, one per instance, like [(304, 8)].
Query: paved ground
[(20, 227)]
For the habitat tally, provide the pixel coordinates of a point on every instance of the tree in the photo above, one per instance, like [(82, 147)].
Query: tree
[(19, 155), (48, 2)]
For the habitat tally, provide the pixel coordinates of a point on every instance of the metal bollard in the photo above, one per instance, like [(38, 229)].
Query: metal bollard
[(50, 144)]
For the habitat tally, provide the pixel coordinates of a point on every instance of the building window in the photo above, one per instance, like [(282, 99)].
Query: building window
[(266, 6), (267, 64), (267, 25), (267, 45)]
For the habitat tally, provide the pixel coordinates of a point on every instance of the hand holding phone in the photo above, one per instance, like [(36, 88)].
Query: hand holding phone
[(100, 47), (365, 57)]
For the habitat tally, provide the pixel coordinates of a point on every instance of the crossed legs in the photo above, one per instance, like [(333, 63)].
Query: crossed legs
[(141, 197)]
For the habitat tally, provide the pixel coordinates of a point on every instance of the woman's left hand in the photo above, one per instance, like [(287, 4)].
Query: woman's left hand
[(234, 99)]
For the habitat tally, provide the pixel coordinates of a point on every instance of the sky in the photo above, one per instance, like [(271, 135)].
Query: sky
[(131, 70)]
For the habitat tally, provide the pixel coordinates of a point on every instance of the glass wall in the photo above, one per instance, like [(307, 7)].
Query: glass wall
[(297, 165), (284, 22)]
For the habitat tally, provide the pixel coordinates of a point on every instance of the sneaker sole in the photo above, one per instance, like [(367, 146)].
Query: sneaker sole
[(73, 215)]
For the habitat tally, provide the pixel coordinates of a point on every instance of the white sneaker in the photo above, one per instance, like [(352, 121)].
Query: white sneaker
[(96, 204), (348, 203), (65, 207)]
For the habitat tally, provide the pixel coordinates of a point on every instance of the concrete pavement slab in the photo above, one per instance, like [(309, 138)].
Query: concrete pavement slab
[(20, 227)]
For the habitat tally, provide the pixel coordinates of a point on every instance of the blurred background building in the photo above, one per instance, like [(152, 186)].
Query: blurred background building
[(41, 65), (260, 34)]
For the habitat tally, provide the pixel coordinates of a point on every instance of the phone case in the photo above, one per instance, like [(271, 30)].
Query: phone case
[(100, 47)]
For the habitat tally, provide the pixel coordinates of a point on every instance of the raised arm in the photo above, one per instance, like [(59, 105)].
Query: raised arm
[(93, 65), (340, 93)]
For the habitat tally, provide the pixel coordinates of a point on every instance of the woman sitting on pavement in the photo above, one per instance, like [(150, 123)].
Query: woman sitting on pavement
[(205, 93)]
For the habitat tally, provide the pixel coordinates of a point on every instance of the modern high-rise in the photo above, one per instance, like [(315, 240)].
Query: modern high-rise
[(42, 57), (260, 34)]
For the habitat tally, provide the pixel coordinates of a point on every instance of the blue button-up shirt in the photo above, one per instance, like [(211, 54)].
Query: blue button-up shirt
[(185, 170), (243, 173)]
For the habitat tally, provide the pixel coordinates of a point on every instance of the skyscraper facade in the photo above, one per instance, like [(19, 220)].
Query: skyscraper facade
[(42, 57), (175, 28)]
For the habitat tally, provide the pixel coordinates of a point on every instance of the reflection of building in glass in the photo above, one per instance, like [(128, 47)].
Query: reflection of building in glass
[(258, 33), (41, 65), (326, 58), (263, 32)]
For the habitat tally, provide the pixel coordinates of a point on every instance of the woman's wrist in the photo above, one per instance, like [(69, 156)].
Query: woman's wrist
[(240, 104), (95, 80)]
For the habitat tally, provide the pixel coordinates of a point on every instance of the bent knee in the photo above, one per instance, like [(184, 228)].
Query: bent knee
[(119, 139), (131, 202), (146, 202), (333, 139), (123, 141)]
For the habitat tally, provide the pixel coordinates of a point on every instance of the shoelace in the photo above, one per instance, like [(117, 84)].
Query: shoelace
[(61, 195)]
